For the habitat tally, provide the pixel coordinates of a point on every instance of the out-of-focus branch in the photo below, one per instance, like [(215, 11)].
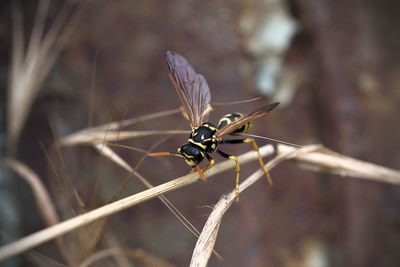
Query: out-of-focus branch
[(42, 198)]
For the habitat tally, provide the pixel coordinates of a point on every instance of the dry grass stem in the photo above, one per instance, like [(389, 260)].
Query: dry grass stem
[(318, 157), (111, 131), (109, 153), (98, 137), (42, 197), (50, 233), (326, 160), (95, 137), (30, 66), (205, 243), (117, 125), (64, 180)]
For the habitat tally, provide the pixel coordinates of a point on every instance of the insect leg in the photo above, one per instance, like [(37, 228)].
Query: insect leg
[(237, 169), (255, 147), (211, 162), (200, 172)]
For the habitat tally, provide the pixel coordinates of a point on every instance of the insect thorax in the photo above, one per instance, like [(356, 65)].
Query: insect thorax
[(204, 137), (229, 118)]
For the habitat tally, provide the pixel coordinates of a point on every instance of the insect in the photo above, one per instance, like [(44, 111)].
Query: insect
[(205, 138)]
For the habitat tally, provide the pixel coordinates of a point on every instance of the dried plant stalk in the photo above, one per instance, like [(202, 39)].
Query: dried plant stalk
[(95, 137), (111, 131), (317, 156), (43, 199), (326, 160), (50, 233), (31, 65), (205, 243), (117, 125), (320, 158)]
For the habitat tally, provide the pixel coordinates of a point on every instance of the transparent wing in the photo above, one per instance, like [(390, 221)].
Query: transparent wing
[(192, 88), (245, 119)]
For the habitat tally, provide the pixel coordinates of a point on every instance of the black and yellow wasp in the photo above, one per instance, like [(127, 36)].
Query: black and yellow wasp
[(205, 138)]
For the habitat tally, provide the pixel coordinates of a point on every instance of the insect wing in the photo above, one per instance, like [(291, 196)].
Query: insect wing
[(245, 119), (192, 88)]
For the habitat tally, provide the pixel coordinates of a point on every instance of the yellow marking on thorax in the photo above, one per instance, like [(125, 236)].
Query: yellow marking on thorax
[(210, 126), (197, 144)]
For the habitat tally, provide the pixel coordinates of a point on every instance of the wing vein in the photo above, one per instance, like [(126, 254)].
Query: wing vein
[(192, 88)]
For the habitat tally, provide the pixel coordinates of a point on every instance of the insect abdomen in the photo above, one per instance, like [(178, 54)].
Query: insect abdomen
[(229, 118)]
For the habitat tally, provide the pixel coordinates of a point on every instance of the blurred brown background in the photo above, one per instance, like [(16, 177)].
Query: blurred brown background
[(333, 65)]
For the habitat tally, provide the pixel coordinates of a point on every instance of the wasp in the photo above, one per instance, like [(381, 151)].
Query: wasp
[(205, 138)]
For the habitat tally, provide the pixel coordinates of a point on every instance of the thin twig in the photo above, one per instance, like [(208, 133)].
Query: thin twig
[(205, 243), (315, 155), (95, 137), (107, 152), (322, 159), (112, 130), (50, 233), (325, 160)]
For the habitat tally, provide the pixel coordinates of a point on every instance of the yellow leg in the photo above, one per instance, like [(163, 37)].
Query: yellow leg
[(237, 169), (254, 146)]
